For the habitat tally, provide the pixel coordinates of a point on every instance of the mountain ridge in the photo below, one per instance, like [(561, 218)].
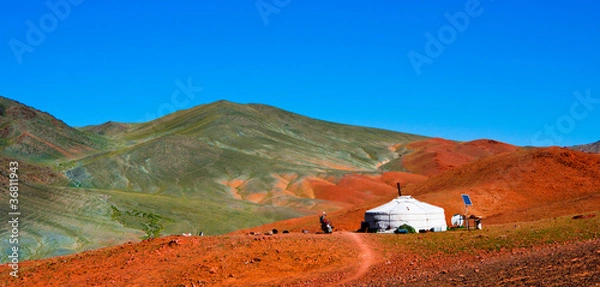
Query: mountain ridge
[(591, 147), (27, 133)]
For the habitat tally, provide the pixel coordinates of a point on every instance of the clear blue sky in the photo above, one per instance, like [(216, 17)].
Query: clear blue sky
[(509, 74)]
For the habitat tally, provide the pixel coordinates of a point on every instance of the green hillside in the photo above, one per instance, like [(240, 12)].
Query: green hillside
[(213, 168), (197, 149), (33, 135)]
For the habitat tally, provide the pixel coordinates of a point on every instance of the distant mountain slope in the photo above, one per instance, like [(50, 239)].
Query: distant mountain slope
[(108, 129), (434, 156), (593, 147), (231, 153), (212, 148), (512, 187), (30, 173), (27, 133), (519, 186)]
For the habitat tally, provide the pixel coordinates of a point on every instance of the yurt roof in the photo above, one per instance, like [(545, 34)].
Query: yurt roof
[(405, 204)]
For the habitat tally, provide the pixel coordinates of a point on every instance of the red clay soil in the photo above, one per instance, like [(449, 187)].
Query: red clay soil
[(347, 219), (357, 188), (203, 261), (519, 186), (435, 156), (340, 259), (357, 191), (568, 264)]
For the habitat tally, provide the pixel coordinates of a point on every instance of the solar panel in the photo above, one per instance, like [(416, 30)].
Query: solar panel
[(467, 200)]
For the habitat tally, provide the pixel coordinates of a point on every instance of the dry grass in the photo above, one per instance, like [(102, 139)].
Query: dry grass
[(495, 237)]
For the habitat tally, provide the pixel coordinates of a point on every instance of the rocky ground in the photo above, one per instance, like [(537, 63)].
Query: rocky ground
[(341, 259), (572, 264)]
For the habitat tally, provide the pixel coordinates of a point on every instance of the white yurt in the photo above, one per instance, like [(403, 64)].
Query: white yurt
[(406, 210)]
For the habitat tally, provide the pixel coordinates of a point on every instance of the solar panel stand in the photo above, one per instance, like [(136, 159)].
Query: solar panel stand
[(468, 229), (467, 201)]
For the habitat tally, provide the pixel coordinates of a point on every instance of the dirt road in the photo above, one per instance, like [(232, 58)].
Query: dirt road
[(366, 258)]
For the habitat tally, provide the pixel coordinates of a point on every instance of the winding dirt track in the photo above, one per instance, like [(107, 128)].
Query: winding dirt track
[(366, 258)]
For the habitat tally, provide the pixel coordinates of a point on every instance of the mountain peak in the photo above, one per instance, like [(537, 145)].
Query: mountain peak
[(28, 133), (109, 128)]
